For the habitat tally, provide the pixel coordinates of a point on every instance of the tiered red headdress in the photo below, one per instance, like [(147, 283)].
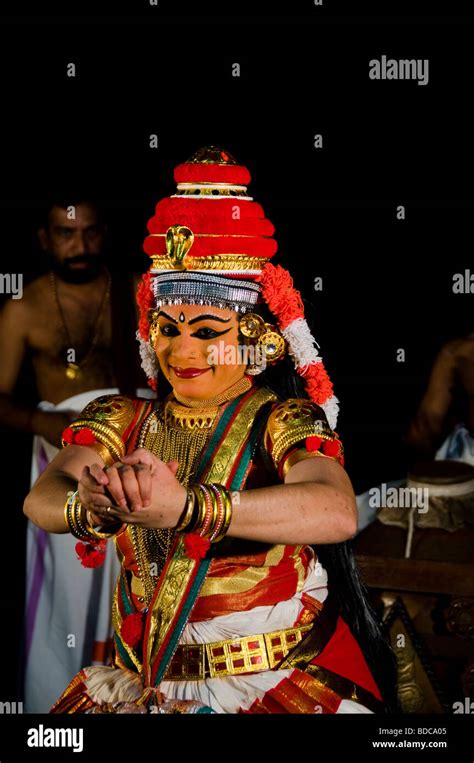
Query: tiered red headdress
[(210, 244)]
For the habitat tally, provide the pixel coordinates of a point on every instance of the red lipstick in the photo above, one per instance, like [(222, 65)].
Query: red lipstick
[(189, 373)]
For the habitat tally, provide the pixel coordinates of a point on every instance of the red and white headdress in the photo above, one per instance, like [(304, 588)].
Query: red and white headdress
[(211, 244)]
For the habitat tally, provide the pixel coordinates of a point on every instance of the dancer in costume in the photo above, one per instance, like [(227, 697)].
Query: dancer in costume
[(216, 493)]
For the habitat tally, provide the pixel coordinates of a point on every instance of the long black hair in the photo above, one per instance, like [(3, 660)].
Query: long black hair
[(339, 561)]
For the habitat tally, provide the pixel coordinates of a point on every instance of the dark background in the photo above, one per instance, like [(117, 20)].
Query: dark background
[(387, 284)]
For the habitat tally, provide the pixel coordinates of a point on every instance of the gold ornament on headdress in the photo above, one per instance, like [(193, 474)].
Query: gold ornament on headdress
[(179, 240)]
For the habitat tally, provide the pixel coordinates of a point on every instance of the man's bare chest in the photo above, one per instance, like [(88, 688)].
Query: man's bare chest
[(51, 334)]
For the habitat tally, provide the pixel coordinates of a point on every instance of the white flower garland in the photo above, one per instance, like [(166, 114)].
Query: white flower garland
[(148, 357), (303, 348), (331, 409), (301, 343)]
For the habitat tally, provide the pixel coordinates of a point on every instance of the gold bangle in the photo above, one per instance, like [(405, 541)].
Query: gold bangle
[(188, 511), (66, 511), (228, 514), (212, 510), (103, 534), (201, 509), (81, 527), (74, 518), (208, 511), (194, 516), (194, 520), (219, 516)]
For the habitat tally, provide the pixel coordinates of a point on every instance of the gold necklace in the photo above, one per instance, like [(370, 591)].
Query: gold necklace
[(238, 388), (73, 370)]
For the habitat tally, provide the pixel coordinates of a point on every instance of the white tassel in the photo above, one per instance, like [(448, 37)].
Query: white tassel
[(149, 361), (301, 343), (331, 409), (302, 347)]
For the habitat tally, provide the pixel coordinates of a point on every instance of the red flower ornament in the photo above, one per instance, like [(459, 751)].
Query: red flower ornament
[(91, 555), (313, 443), (84, 436), (332, 448), (195, 546), (131, 629), (68, 435)]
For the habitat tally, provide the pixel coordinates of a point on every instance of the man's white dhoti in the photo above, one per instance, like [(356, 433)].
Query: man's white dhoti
[(68, 607), (458, 446)]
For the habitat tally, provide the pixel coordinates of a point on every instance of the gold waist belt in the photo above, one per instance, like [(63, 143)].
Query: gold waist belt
[(251, 654)]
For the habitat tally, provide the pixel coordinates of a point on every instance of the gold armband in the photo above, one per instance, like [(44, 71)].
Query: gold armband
[(108, 418), (298, 455), (291, 422)]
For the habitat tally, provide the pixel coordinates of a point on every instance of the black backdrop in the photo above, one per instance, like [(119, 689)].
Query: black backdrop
[(387, 283)]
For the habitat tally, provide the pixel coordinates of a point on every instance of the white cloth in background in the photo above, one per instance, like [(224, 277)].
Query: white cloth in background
[(458, 446)]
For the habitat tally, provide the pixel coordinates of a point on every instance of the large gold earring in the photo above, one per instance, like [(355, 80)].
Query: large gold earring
[(268, 344), (154, 326), (251, 325), (272, 344)]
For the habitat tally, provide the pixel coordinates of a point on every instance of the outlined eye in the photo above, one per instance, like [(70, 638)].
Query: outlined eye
[(169, 330), (206, 333)]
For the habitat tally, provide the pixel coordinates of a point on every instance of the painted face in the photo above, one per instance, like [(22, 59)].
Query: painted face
[(197, 349)]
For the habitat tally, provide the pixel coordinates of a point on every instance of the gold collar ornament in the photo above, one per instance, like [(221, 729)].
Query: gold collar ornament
[(238, 388)]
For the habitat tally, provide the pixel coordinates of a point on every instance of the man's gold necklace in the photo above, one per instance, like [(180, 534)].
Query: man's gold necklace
[(74, 370)]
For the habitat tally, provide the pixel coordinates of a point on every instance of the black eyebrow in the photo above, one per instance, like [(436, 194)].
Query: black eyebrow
[(195, 320), (162, 312), (211, 317)]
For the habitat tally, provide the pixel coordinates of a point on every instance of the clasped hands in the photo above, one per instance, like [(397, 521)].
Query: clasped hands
[(139, 489)]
